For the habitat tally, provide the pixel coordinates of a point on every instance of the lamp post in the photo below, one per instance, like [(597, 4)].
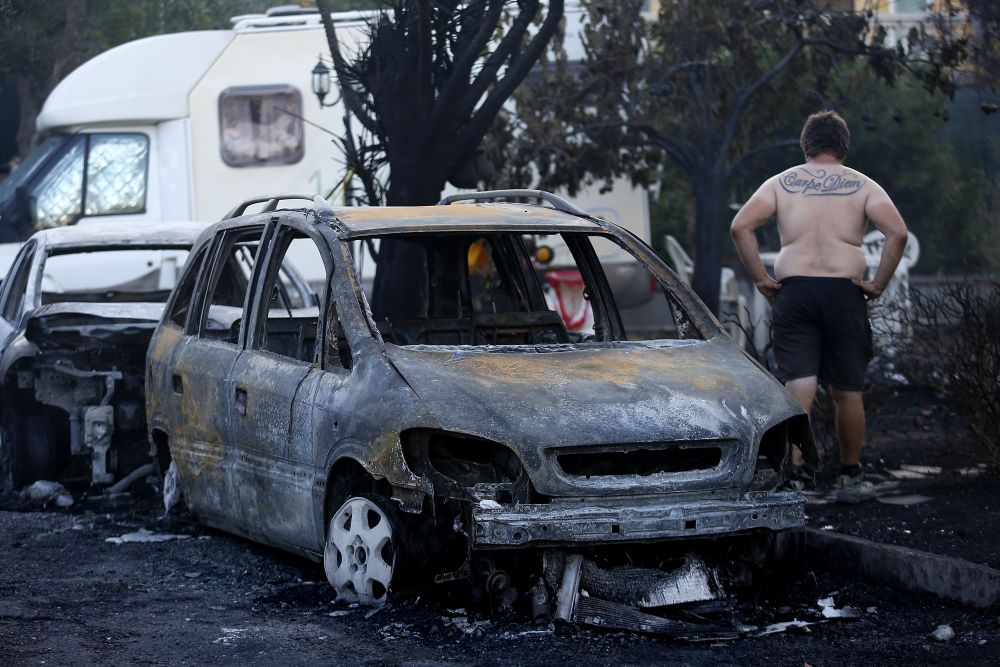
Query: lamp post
[(321, 82)]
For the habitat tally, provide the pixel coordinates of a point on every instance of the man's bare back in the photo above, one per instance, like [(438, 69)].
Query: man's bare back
[(822, 209), (821, 220)]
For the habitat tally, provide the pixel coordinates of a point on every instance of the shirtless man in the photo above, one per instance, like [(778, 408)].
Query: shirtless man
[(818, 293)]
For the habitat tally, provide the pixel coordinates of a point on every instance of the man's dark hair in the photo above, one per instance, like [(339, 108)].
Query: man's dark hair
[(825, 132)]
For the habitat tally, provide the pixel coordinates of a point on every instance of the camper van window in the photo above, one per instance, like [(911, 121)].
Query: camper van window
[(97, 174), (116, 174), (56, 196), (261, 126)]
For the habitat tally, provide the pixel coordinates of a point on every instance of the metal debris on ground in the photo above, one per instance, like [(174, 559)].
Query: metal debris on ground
[(828, 609), (648, 588), (537, 632), (397, 630), (907, 471), (776, 628), (904, 501), (923, 470), (617, 597), (471, 628), (143, 535), (171, 489), (46, 492)]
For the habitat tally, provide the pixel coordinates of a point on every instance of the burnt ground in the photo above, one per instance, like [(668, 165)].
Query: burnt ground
[(910, 434), (68, 596)]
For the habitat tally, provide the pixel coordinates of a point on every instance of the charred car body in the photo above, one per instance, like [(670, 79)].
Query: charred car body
[(77, 309), (442, 406)]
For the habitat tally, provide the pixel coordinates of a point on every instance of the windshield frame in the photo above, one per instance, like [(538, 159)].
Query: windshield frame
[(63, 250), (705, 324)]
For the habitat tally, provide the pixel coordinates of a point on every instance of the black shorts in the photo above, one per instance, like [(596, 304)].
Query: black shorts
[(821, 327)]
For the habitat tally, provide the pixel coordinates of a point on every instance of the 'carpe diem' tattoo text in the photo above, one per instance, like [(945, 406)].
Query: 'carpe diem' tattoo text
[(804, 182)]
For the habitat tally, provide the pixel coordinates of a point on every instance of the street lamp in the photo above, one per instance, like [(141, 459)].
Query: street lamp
[(321, 81)]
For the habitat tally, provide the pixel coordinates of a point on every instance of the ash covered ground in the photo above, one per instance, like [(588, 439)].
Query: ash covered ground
[(68, 595)]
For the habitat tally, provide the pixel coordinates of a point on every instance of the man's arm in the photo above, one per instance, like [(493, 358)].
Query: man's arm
[(757, 211), (886, 218)]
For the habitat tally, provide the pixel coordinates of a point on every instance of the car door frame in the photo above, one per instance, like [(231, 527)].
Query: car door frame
[(213, 498), (8, 328), (274, 476)]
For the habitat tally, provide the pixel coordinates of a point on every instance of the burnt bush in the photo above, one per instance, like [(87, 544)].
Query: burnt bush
[(952, 345)]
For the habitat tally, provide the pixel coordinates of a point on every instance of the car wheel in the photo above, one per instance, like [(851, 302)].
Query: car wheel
[(360, 553)]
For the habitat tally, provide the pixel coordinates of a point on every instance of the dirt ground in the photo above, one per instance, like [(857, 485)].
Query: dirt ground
[(917, 447), (67, 595)]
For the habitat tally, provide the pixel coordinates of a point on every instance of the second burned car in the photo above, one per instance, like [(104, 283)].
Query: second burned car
[(435, 407)]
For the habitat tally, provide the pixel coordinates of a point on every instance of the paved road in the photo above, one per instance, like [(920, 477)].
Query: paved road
[(68, 596)]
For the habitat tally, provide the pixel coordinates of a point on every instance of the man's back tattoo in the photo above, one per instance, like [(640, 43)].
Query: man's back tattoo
[(819, 182)]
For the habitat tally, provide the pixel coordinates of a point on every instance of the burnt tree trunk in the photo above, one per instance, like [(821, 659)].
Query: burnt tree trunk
[(416, 179), (710, 219)]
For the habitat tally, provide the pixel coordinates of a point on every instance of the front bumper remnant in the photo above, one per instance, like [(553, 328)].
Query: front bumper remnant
[(615, 520)]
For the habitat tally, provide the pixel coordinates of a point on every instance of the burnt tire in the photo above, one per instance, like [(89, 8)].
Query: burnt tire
[(362, 549)]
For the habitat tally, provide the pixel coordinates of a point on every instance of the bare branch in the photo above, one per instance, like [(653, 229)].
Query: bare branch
[(510, 42), (732, 123), (459, 77), (351, 99), (504, 88), (762, 148)]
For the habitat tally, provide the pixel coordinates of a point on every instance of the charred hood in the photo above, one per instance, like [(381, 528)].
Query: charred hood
[(562, 396), (68, 324)]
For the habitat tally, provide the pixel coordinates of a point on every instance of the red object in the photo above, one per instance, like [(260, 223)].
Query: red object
[(565, 282)]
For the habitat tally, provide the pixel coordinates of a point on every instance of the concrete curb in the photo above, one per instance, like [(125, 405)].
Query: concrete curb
[(909, 569)]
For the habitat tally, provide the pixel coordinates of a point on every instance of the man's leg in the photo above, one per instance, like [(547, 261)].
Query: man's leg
[(852, 486), (804, 391), (850, 425)]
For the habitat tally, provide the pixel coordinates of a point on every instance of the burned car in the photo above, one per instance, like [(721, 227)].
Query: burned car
[(77, 309), (435, 412)]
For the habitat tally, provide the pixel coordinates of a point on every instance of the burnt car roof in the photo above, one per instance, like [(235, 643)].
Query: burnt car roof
[(121, 234), (370, 220)]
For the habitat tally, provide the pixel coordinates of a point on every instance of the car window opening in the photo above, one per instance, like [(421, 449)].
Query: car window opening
[(289, 322), (233, 268), (137, 274), (512, 288)]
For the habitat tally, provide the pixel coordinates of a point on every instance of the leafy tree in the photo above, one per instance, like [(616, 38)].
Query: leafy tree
[(900, 136), (970, 30), (706, 86), (428, 86)]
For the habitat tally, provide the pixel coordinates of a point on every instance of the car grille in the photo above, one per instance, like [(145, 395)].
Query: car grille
[(641, 459)]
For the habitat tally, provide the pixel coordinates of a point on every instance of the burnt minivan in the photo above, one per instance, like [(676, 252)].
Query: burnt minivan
[(449, 400)]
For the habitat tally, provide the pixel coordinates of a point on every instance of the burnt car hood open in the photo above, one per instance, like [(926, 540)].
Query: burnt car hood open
[(63, 324), (539, 399)]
